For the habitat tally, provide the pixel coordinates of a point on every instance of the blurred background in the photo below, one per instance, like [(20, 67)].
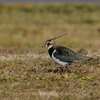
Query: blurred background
[(27, 23), (49, 1)]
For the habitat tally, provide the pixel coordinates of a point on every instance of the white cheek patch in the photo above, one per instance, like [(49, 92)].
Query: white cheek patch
[(58, 61), (50, 46)]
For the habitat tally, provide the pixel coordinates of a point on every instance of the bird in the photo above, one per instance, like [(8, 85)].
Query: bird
[(62, 55)]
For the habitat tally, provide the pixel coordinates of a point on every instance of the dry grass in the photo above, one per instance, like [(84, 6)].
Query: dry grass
[(34, 78)]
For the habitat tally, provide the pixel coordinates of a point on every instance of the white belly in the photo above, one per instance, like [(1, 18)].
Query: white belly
[(58, 61)]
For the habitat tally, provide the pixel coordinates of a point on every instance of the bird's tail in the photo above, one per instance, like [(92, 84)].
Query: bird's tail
[(90, 60), (83, 56)]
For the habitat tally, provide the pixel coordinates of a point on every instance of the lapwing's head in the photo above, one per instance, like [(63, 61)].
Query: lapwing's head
[(49, 44)]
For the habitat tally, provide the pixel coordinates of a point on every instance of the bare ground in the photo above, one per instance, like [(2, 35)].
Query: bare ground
[(28, 56)]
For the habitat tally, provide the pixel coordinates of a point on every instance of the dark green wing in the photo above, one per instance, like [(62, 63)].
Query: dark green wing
[(65, 51), (66, 54)]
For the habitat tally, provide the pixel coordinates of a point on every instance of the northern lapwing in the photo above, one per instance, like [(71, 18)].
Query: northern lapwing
[(62, 55)]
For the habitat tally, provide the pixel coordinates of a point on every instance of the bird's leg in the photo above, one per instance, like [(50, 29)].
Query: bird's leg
[(62, 69), (67, 68), (59, 69)]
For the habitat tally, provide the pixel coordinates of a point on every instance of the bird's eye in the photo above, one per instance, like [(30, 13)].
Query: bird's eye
[(48, 44)]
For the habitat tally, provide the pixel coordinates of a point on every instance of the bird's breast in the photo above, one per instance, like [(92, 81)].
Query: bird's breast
[(50, 51), (57, 60)]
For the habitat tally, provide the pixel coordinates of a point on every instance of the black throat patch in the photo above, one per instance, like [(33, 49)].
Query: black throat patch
[(50, 51)]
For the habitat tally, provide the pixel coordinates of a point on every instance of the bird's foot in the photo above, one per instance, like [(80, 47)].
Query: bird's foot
[(67, 69), (62, 70), (59, 70)]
